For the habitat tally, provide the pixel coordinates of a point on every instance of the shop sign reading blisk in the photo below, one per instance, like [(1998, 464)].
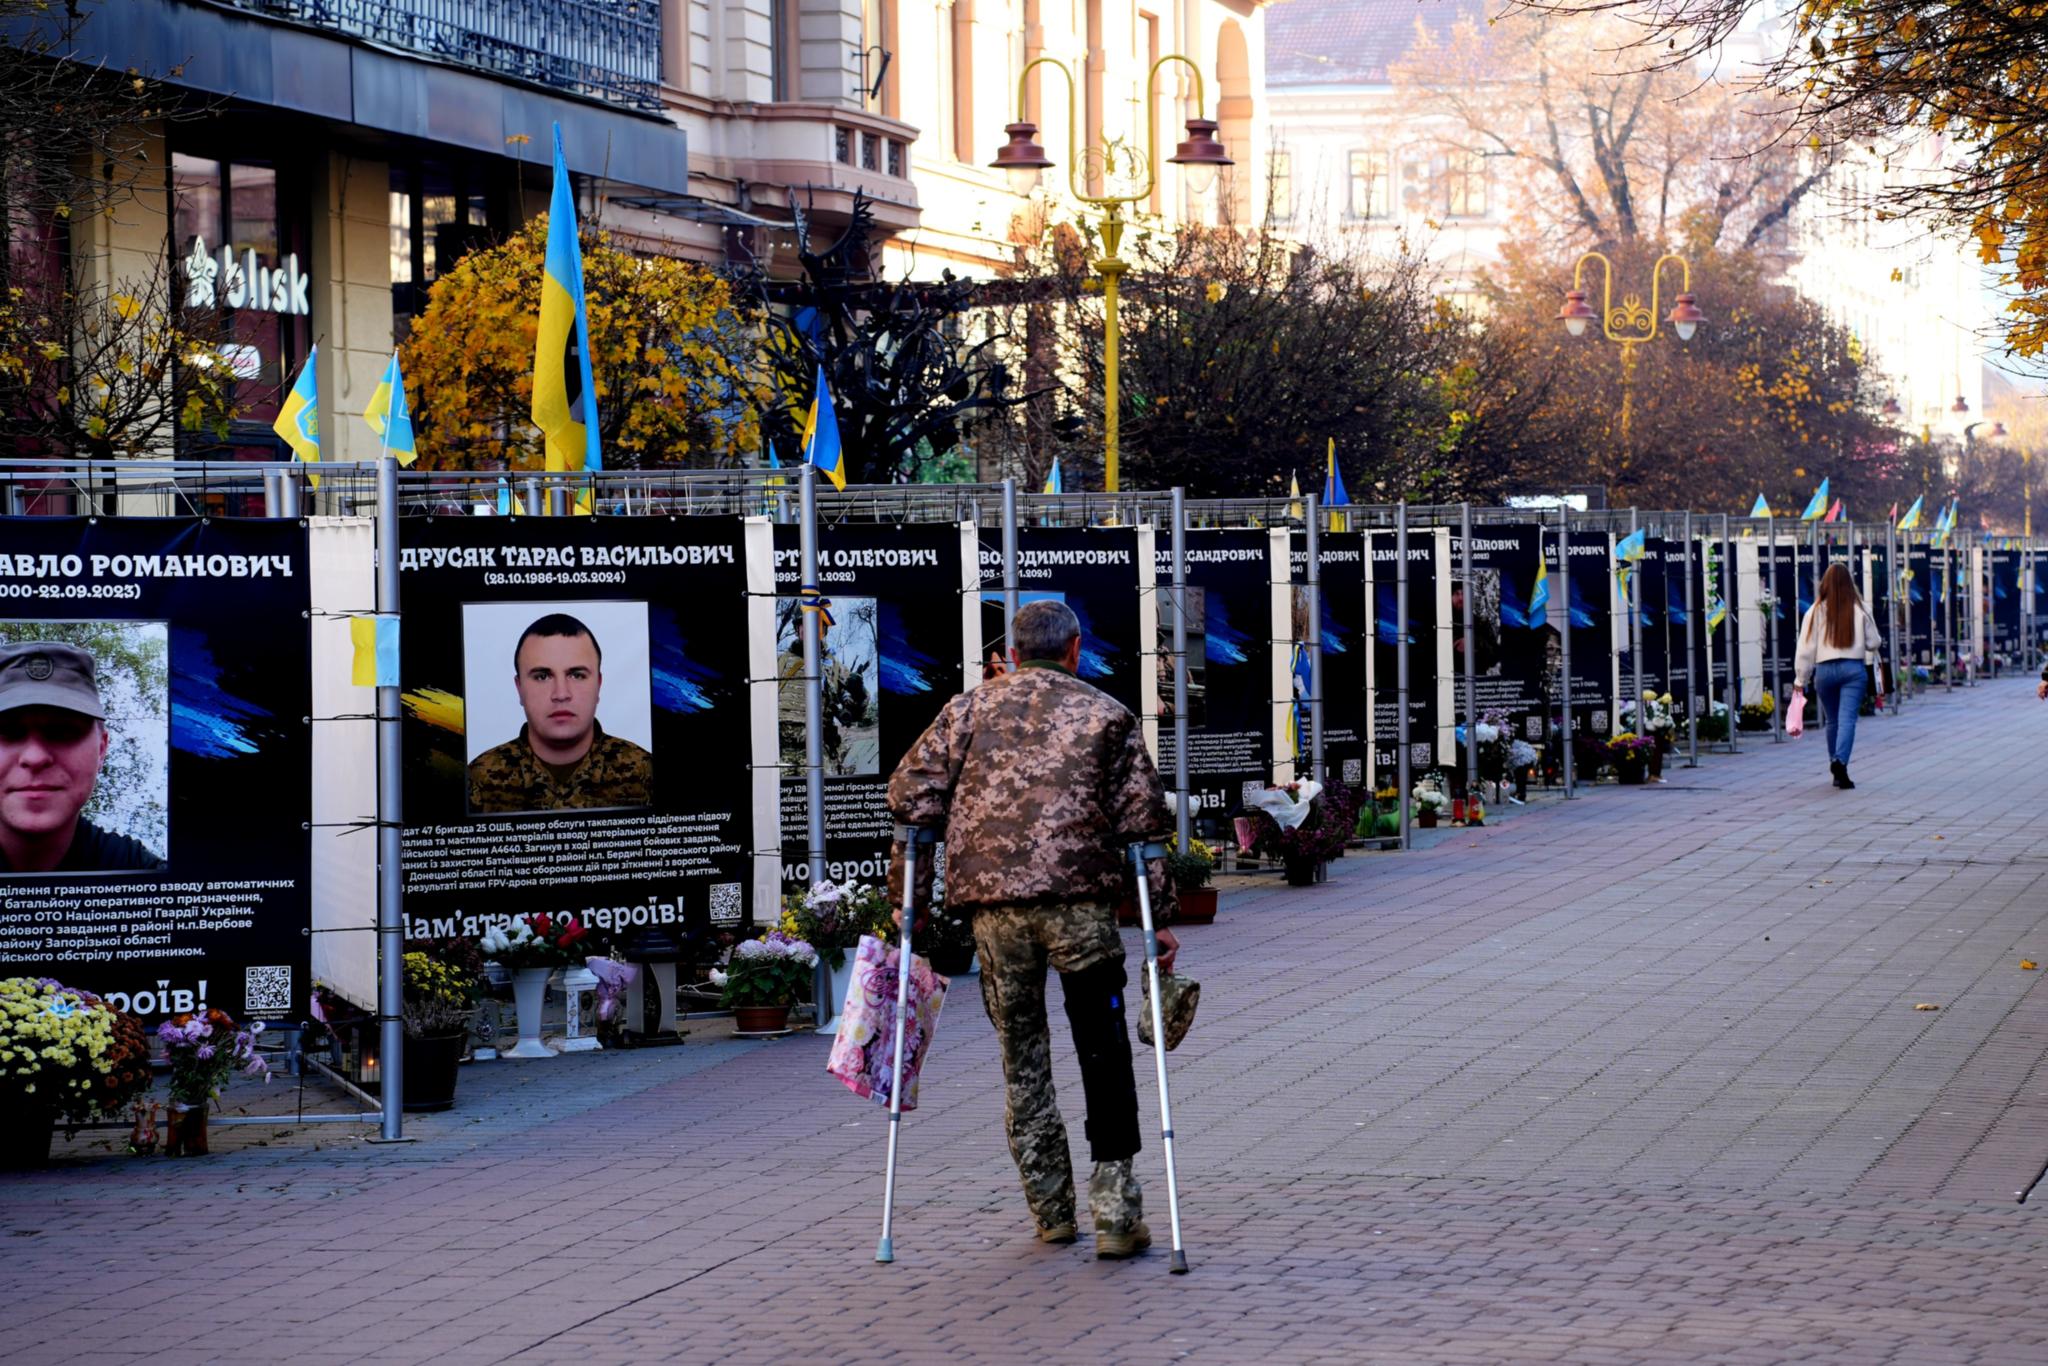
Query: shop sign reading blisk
[(245, 283)]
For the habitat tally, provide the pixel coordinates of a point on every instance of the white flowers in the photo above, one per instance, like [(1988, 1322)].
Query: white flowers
[(777, 945), (1486, 734), (718, 979), (499, 939)]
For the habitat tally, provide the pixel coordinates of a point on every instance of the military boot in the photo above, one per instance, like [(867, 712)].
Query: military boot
[(1117, 1203)]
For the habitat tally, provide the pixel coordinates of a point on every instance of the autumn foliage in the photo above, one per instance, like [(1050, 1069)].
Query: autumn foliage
[(669, 353)]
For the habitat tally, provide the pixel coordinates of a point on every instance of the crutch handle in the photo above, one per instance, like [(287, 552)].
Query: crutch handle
[(1147, 849), (917, 834)]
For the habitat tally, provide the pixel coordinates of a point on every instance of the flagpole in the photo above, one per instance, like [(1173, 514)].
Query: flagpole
[(1731, 630), (1633, 602), (1771, 627), (1564, 637), (1314, 642), (1401, 667), (1692, 697), (1182, 817), (1471, 683)]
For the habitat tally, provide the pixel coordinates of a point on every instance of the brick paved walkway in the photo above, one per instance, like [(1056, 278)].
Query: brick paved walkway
[(1633, 1078)]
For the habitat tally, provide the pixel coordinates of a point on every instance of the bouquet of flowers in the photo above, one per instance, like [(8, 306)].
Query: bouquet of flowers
[(769, 971), (1521, 755), (67, 1052), (538, 941), (1490, 741), (832, 917), (1189, 871), (1757, 715), (438, 997), (1714, 725), (206, 1050), (1319, 831), (1629, 749), (1431, 795)]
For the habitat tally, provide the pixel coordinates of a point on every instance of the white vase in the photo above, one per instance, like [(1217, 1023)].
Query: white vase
[(529, 990), (840, 981), (579, 988)]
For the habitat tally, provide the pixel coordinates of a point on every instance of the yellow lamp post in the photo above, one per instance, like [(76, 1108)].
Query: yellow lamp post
[(1022, 159), (1631, 324)]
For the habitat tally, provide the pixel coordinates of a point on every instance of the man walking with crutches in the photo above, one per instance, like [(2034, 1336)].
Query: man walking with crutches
[(1042, 783)]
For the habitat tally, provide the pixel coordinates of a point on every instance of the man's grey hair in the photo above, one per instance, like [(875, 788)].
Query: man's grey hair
[(1043, 630)]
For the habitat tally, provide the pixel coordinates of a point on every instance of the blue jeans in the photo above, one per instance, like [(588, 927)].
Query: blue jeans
[(1840, 684)]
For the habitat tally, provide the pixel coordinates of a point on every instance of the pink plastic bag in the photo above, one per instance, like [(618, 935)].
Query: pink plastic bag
[(866, 1043), (1795, 715)]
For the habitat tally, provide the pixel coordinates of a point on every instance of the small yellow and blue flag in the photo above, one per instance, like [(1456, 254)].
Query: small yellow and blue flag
[(821, 435), (1052, 480), (1334, 495), (298, 420), (390, 416), (564, 393), (1760, 508), (1539, 596), (1911, 521), (1817, 506), (1294, 492)]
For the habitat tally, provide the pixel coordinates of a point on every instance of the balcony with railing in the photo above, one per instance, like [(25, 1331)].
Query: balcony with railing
[(607, 50)]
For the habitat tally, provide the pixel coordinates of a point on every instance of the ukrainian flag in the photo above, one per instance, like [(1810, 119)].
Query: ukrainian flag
[(1539, 597), (1052, 480), (1760, 508), (389, 416), (1911, 521), (1717, 614), (564, 394), (1334, 495), (1817, 506), (821, 435), (1294, 492), (298, 421)]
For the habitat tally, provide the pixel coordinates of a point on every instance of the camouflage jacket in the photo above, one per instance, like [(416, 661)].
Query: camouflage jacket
[(511, 777), (1041, 782)]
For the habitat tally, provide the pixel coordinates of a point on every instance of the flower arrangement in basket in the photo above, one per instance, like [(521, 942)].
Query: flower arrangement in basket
[(538, 941), (1714, 725), (1191, 870), (1322, 826), (1630, 754), (65, 1053), (438, 997), (1490, 741), (770, 971), (206, 1050), (1657, 721), (1432, 797), (1759, 714), (832, 916)]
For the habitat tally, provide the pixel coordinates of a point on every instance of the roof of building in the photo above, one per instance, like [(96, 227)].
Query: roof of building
[(1352, 42)]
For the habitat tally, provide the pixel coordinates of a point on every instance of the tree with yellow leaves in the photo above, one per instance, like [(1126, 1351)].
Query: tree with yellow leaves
[(669, 353)]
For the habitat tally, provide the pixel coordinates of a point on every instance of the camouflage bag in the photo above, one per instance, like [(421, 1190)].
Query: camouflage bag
[(1178, 997)]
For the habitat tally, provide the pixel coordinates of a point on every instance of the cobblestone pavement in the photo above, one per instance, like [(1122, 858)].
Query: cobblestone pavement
[(1638, 1077)]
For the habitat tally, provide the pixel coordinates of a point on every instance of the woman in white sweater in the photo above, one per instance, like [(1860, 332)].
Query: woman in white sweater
[(1837, 639)]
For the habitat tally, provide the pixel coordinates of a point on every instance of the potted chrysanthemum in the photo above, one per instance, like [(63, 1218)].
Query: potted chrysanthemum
[(64, 1055), (762, 980)]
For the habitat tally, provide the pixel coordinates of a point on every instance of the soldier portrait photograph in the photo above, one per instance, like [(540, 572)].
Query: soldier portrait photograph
[(77, 786), (582, 718), (852, 691)]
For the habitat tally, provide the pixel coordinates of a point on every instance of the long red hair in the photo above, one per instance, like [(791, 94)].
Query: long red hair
[(1837, 604)]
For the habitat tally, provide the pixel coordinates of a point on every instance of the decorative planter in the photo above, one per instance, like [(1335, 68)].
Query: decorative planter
[(1630, 774), (431, 1067), (1197, 906), (838, 981), (1426, 818), (579, 1010), (760, 1019), (25, 1138), (187, 1135), (1306, 872), (529, 991)]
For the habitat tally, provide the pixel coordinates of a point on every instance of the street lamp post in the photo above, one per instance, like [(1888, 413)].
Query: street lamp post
[(1632, 323), (1022, 159)]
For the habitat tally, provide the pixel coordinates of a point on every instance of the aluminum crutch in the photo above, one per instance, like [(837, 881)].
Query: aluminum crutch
[(1141, 851), (912, 836)]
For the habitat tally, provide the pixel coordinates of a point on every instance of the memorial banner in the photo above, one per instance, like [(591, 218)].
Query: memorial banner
[(1786, 584), (1239, 654), (1649, 593), (902, 638), (1513, 656), (1594, 615), (581, 734), (1341, 585), (1432, 684), (2005, 600), (155, 761), (1105, 575), (1675, 628), (1917, 589)]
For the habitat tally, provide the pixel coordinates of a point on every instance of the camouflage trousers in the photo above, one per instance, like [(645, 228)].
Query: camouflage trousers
[(1080, 942)]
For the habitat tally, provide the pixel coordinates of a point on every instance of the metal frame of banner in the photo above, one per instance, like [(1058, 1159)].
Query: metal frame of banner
[(1313, 517), (1564, 679), (1692, 696), (1402, 765)]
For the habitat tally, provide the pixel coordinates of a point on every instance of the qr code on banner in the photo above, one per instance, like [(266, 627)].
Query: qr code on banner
[(1249, 793), (725, 903), (267, 989), (1354, 772), (1422, 755), (1532, 726), (1599, 720)]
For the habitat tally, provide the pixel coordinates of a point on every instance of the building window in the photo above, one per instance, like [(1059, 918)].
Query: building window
[(241, 251), (1465, 185), (1280, 182), (440, 212), (1371, 192), (870, 152), (895, 158), (842, 146)]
